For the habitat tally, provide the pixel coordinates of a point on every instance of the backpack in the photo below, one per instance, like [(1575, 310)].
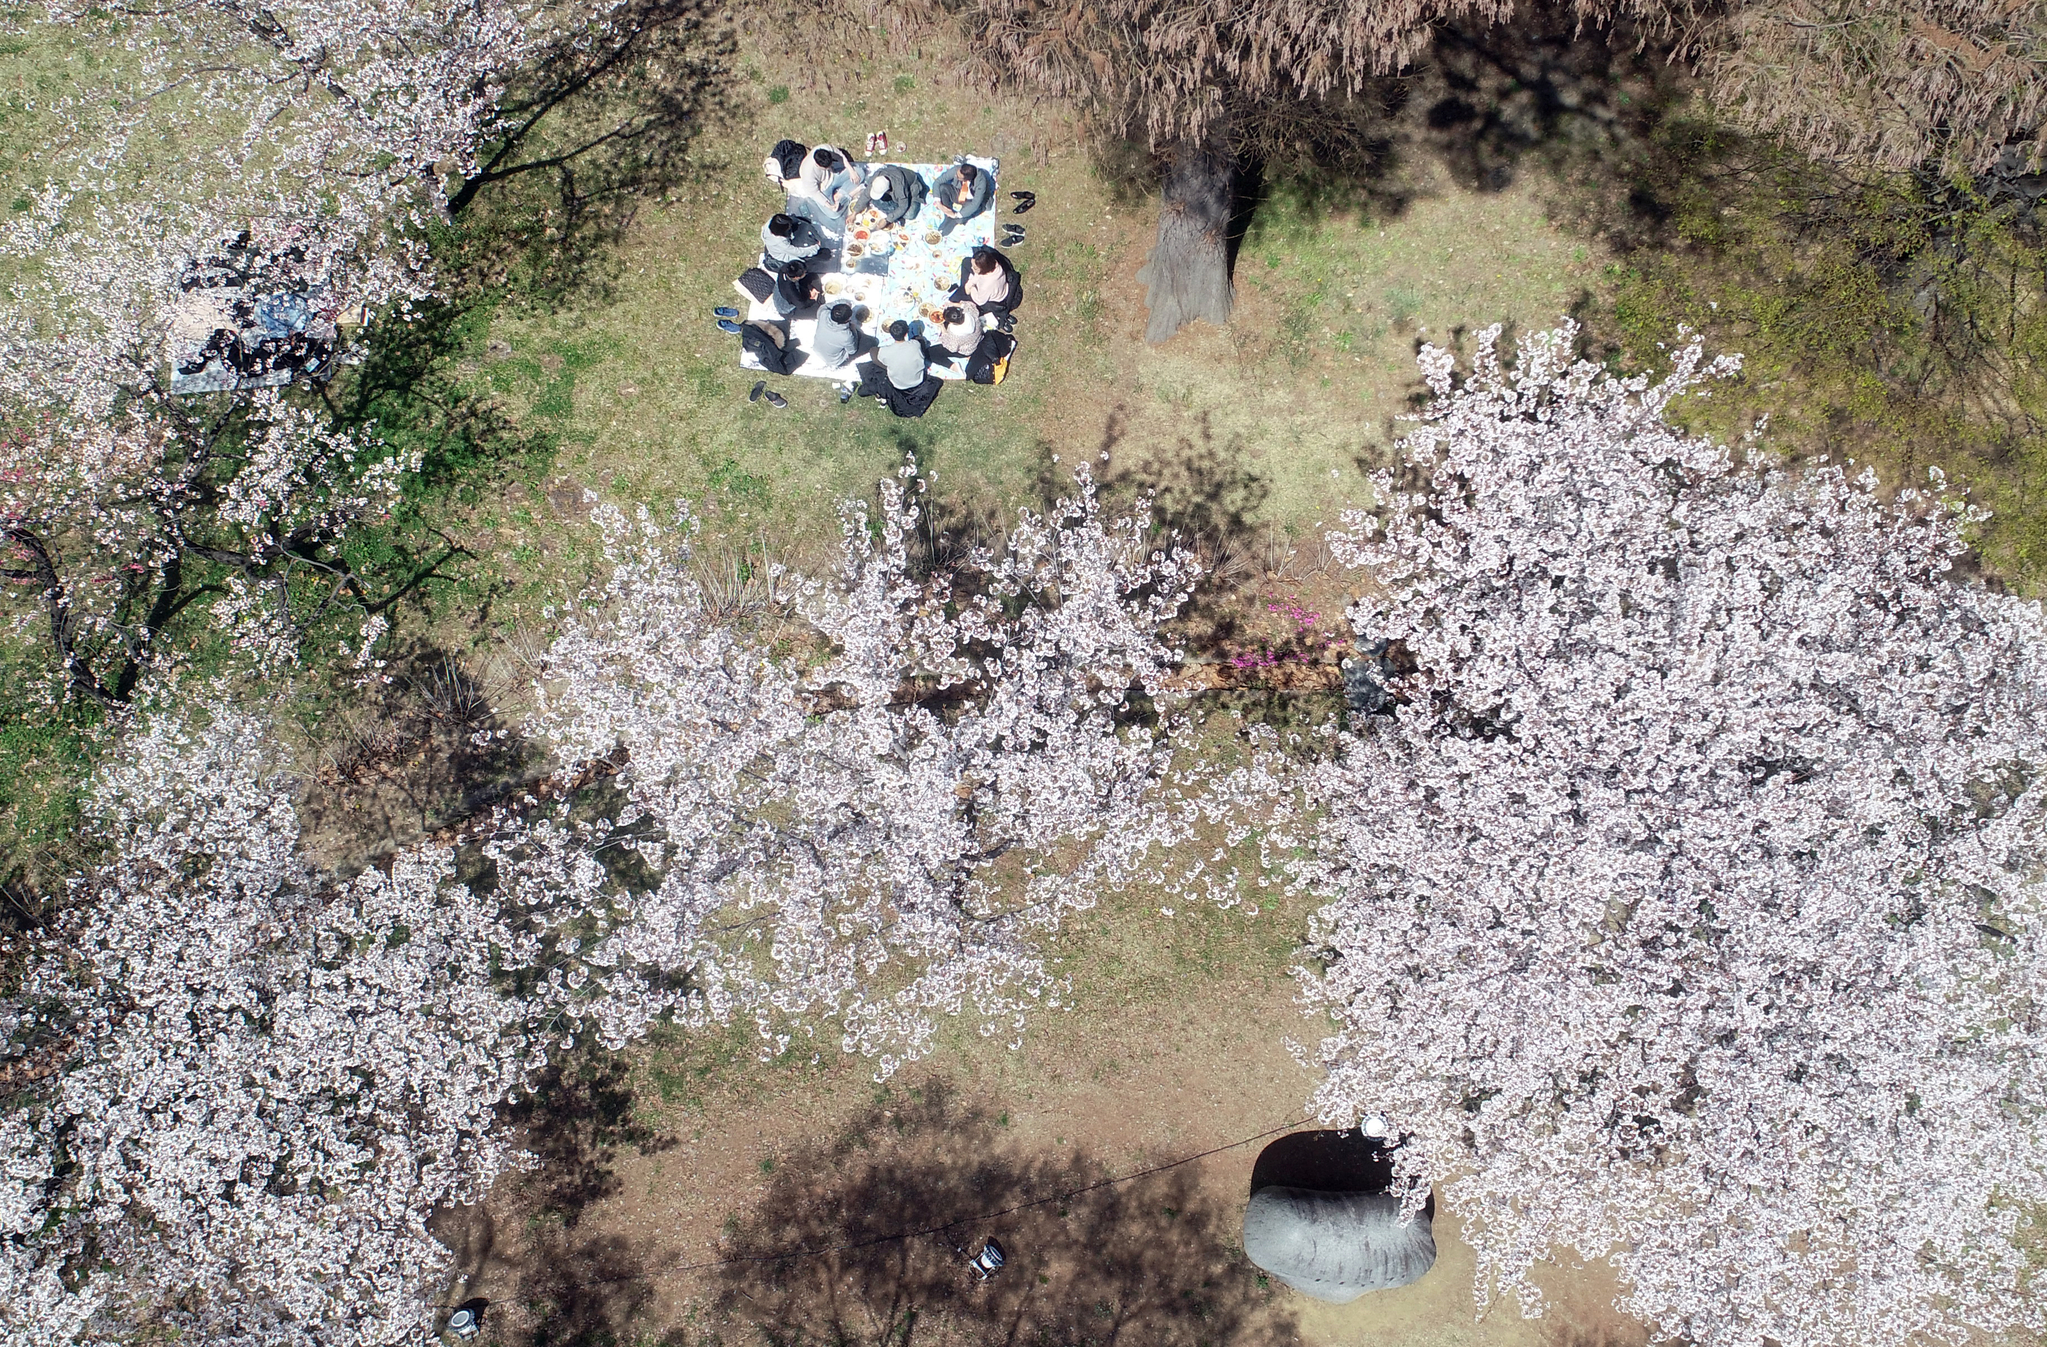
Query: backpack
[(990, 360)]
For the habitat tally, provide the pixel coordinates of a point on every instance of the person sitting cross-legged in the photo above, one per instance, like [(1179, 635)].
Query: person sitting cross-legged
[(786, 238), (960, 193), (894, 191), (899, 373), (989, 281), (837, 342)]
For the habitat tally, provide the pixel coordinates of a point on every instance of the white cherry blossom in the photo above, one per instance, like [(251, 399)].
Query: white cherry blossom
[(1685, 909)]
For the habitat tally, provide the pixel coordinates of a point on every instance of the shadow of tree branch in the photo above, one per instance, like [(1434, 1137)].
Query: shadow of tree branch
[(1150, 1258)]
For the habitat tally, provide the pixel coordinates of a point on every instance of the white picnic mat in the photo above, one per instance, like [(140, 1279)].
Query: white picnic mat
[(923, 266)]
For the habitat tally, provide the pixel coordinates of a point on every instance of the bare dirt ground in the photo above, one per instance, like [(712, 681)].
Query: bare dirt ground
[(708, 1198)]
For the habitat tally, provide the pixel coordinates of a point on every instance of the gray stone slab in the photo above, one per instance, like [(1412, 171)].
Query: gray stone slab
[(1336, 1246)]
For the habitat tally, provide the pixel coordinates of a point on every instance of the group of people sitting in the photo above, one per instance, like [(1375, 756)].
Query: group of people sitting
[(224, 315), (799, 244)]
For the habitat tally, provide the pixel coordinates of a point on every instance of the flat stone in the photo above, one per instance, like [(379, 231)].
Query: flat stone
[(1336, 1246)]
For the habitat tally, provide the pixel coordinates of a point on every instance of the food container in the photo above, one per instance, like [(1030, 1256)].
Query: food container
[(934, 238)]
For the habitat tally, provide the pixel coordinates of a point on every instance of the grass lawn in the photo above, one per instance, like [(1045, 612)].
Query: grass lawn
[(1274, 419)]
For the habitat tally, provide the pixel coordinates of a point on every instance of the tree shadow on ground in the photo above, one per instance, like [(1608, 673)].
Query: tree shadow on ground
[(1483, 101), (1326, 1161), (608, 117), (575, 1121), (571, 1286), (426, 744), (1207, 496), (863, 1240)]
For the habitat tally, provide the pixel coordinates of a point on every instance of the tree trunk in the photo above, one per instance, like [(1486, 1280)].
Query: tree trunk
[(1188, 275)]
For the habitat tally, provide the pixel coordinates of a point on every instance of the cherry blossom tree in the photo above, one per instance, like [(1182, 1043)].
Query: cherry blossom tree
[(1684, 901), (224, 156), (265, 1080), (870, 829), (232, 1090), (111, 530)]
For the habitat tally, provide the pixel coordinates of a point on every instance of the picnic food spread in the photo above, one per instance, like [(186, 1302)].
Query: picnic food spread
[(879, 245)]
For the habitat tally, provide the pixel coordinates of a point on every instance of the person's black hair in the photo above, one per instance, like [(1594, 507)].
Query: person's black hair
[(986, 259), (795, 269), (967, 172), (842, 313), (955, 314), (782, 225), (900, 330), (824, 158)]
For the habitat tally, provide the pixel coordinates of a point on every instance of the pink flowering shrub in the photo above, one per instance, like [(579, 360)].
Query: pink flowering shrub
[(1686, 908)]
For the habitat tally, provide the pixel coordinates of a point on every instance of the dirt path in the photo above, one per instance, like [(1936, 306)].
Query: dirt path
[(675, 1219)]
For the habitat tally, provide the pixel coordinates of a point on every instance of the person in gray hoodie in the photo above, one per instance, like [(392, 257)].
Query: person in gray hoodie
[(837, 341), (785, 238)]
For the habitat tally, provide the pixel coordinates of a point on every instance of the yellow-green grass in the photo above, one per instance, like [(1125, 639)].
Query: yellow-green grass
[(1281, 411)]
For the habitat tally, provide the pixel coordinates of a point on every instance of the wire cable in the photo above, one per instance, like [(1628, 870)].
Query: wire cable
[(794, 1254)]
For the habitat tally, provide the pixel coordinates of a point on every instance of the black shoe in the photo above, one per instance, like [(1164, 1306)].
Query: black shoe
[(776, 399), (758, 389), (1012, 235), (1024, 201), (1023, 196), (1006, 323)]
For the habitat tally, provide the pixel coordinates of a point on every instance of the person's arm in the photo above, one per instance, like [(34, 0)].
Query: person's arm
[(945, 187)]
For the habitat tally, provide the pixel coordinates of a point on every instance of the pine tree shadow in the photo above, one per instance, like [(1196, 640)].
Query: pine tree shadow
[(864, 1239), (1483, 102)]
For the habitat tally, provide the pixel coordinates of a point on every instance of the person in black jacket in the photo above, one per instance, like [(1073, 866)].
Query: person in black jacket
[(894, 191), (797, 291), (988, 280)]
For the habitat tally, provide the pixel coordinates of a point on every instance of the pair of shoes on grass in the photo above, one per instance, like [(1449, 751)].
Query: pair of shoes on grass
[(1012, 234), (1024, 201), (761, 390)]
